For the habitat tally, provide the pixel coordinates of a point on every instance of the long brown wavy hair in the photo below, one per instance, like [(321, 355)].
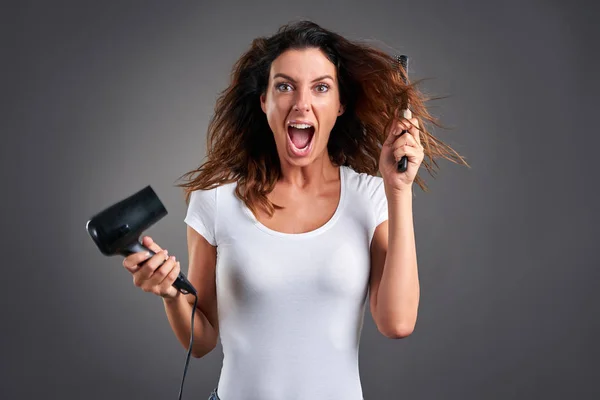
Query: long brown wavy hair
[(240, 144)]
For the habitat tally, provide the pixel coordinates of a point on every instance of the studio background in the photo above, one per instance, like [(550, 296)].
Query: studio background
[(104, 98)]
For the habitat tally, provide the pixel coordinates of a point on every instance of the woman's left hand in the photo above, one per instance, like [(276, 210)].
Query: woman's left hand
[(396, 146)]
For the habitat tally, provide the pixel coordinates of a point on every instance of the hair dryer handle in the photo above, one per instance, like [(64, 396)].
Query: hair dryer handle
[(181, 283)]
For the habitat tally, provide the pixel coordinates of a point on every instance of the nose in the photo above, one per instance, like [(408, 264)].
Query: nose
[(302, 102)]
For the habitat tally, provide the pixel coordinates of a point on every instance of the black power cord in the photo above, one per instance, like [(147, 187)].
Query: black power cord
[(187, 360)]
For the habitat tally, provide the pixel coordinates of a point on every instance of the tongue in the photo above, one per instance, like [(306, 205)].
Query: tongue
[(300, 137)]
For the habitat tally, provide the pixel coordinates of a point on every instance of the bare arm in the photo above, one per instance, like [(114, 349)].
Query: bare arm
[(394, 283), (201, 274)]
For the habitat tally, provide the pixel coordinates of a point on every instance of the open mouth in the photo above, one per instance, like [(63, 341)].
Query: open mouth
[(300, 138)]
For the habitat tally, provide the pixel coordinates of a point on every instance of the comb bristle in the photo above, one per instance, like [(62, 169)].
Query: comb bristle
[(403, 62)]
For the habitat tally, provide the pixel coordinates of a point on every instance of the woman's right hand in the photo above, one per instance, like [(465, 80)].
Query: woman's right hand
[(154, 274)]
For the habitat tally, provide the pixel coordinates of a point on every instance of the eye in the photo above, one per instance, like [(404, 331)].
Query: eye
[(324, 86), (283, 87)]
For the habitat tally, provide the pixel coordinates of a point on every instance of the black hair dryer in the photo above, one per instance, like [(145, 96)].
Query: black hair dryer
[(117, 229)]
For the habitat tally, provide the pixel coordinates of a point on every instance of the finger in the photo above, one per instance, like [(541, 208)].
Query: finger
[(153, 284), (166, 286), (172, 274), (415, 131), (406, 126), (151, 244), (403, 141), (414, 122), (152, 264), (397, 129), (133, 261), (392, 134), (406, 150), (402, 126), (399, 153), (414, 137), (410, 138), (147, 280)]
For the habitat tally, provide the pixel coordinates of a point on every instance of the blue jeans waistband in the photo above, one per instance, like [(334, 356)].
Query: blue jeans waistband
[(213, 395)]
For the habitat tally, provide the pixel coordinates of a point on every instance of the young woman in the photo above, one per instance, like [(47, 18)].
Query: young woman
[(290, 227)]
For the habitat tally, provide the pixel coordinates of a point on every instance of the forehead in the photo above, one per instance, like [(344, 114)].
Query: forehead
[(302, 64)]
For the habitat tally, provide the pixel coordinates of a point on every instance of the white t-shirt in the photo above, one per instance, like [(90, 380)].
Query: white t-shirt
[(291, 306)]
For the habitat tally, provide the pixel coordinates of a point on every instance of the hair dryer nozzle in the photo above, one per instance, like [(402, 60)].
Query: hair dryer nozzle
[(117, 227)]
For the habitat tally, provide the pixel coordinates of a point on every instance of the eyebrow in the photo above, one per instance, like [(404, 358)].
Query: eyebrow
[(289, 78)]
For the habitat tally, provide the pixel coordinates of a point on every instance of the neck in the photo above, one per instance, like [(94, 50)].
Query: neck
[(313, 175)]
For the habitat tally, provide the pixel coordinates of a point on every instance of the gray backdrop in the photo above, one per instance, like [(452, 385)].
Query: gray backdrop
[(103, 98)]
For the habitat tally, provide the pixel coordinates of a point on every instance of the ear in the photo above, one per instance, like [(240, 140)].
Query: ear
[(341, 110), (262, 102)]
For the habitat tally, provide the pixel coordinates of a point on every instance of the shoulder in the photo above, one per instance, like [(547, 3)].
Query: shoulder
[(363, 183), (210, 195), (212, 201), (369, 191), (204, 208)]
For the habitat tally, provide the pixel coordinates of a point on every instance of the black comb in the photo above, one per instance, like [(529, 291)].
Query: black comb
[(403, 68)]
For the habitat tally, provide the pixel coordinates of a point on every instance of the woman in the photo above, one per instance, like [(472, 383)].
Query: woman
[(304, 229)]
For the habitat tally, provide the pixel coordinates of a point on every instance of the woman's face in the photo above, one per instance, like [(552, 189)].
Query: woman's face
[(302, 103)]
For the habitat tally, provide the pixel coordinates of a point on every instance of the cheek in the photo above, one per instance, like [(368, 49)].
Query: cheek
[(327, 116), (277, 110)]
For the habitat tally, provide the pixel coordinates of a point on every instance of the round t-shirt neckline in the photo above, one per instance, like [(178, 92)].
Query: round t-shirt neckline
[(314, 232)]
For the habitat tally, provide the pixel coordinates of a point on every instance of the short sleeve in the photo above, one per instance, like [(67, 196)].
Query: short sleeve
[(202, 213), (379, 201)]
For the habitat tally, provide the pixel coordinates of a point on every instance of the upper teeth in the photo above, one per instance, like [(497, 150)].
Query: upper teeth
[(301, 126)]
